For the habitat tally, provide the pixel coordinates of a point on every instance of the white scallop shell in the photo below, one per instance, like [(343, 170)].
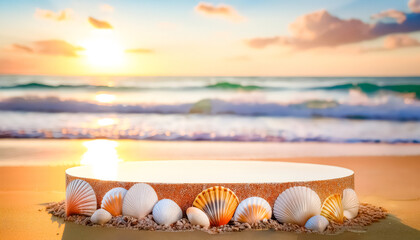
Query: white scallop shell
[(317, 223), (101, 216), (350, 203), (197, 217), (297, 205), (252, 210), (113, 201), (139, 200), (166, 212), (80, 198)]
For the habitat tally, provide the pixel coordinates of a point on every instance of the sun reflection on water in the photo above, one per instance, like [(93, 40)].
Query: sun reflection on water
[(102, 156)]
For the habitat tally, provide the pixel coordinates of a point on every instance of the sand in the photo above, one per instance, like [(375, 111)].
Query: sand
[(368, 214), (391, 181)]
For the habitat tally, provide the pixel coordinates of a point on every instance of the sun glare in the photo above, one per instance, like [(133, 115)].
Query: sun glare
[(103, 49), (105, 98), (105, 122)]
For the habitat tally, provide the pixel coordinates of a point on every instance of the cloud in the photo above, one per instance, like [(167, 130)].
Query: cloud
[(396, 41), (139, 50), (106, 8), (321, 29), (391, 13), (99, 24), (414, 5), (49, 47), (221, 10), (62, 15)]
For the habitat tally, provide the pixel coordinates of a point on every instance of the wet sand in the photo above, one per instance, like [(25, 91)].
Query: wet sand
[(392, 182)]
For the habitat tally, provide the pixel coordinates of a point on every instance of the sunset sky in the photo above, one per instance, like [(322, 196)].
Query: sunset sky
[(220, 38)]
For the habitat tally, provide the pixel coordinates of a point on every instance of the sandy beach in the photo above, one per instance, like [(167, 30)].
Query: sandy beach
[(385, 175)]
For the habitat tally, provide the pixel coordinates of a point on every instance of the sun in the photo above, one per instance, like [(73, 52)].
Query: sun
[(103, 49)]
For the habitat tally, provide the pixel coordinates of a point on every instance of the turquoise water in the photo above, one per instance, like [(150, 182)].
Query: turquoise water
[(333, 109)]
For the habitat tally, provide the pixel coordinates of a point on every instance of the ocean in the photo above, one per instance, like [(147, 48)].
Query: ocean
[(277, 109)]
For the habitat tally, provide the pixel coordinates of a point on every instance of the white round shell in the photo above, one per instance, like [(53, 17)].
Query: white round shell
[(317, 223), (101, 216), (350, 203), (166, 212), (297, 205), (197, 217), (252, 210), (113, 201), (80, 198), (139, 200)]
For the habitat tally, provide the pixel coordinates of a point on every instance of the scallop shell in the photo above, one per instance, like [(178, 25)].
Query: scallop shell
[(219, 203), (101, 216), (332, 208), (297, 205), (139, 200), (252, 210), (166, 212), (80, 198), (350, 203), (197, 217), (317, 223), (113, 201)]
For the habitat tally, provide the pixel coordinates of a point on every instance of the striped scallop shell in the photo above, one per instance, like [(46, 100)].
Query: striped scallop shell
[(166, 212), (80, 198), (332, 208), (317, 223), (296, 205), (252, 210), (113, 201), (197, 217), (139, 200), (350, 203), (219, 203), (100, 216)]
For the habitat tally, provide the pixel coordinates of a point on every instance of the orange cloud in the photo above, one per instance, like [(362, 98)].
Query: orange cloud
[(399, 16), (414, 5), (49, 47), (321, 29), (221, 10), (139, 50), (106, 8), (393, 42), (99, 24), (62, 15)]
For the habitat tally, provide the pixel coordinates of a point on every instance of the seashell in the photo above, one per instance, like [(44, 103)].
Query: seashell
[(332, 208), (317, 223), (166, 212), (139, 200), (296, 205), (113, 201), (219, 203), (350, 203), (197, 217), (252, 210), (101, 216), (80, 198)]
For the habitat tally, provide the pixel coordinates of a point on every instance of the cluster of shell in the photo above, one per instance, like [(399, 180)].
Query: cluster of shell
[(214, 206)]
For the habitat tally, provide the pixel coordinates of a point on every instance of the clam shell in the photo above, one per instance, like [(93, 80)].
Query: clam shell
[(332, 208), (350, 203), (166, 212), (101, 216), (139, 200), (80, 198), (197, 217), (113, 201), (252, 210), (317, 223), (296, 205), (219, 203)]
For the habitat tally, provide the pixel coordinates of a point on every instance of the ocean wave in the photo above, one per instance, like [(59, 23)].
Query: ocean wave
[(227, 85), (397, 110)]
